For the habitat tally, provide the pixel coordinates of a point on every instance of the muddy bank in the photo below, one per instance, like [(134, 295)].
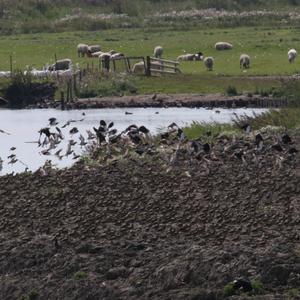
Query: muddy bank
[(138, 229), (168, 100), (180, 100)]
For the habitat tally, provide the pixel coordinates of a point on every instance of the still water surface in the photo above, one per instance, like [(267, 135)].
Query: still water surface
[(23, 126)]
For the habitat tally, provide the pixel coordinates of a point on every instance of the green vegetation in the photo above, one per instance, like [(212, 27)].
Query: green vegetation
[(29, 16), (285, 118), (208, 130), (32, 295), (80, 275), (258, 287), (229, 290)]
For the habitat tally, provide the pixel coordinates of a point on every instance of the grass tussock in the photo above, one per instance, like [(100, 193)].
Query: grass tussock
[(287, 118)]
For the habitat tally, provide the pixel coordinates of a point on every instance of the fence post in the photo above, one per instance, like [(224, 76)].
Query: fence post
[(62, 100), (75, 84), (148, 66), (71, 89), (105, 63), (68, 92), (11, 65), (128, 67)]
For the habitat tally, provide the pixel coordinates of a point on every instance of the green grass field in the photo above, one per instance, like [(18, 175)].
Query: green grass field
[(267, 47)]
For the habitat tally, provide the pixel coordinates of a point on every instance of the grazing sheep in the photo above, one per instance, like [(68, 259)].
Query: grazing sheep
[(94, 48), (223, 46), (245, 61), (95, 54), (209, 63), (82, 49), (186, 57), (116, 55), (292, 54), (103, 55), (63, 64), (158, 51)]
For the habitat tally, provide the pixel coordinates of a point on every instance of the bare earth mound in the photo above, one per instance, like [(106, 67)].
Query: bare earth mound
[(136, 230)]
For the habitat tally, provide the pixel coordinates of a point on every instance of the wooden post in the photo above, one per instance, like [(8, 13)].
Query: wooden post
[(62, 100), (75, 84), (114, 64), (128, 65), (148, 66), (68, 92), (105, 63), (11, 65), (71, 89)]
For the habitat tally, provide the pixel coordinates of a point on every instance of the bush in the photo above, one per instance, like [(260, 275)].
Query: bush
[(22, 90), (80, 275), (258, 287), (231, 91)]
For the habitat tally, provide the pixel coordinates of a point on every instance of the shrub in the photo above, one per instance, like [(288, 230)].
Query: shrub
[(229, 290), (258, 287), (231, 91), (80, 275)]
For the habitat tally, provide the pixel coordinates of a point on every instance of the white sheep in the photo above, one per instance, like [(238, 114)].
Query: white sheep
[(245, 61), (116, 55), (95, 54), (5, 74), (139, 68), (103, 55), (209, 63), (82, 49), (292, 54), (158, 51), (186, 57), (190, 57), (94, 48), (63, 64), (223, 46)]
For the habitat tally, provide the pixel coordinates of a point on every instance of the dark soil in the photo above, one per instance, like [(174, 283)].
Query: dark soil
[(136, 229)]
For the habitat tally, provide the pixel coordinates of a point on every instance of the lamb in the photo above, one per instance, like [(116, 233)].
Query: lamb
[(245, 61), (82, 49), (158, 51), (223, 46), (63, 64), (292, 54), (209, 63), (94, 48)]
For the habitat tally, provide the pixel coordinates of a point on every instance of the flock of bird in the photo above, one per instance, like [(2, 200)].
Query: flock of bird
[(106, 143)]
